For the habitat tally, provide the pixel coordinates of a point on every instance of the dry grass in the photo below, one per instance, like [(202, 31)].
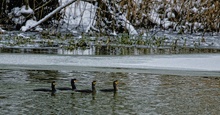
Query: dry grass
[(202, 16)]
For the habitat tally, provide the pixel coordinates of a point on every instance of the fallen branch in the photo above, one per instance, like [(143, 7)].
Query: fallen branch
[(52, 13)]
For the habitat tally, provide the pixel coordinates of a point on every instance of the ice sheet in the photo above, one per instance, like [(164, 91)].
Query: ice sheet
[(193, 64)]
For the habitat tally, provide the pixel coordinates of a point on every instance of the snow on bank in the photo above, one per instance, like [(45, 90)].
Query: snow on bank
[(184, 15), (17, 14), (78, 15), (128, 25), (30, 23), (26, 11), (2, 31), (82, 15)]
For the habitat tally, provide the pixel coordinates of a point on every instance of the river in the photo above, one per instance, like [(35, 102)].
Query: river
[(149, 84)]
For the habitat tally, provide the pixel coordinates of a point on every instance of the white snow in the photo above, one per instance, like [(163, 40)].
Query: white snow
[(80, 14), (30, 23), (154, 17), (167, 24), (201, 64), (16, 11), (170, 15), (2, 31), (113, 33), (197, 25), (16, 16), (26, 11), (195, 10), (131, 29), (22, 35)]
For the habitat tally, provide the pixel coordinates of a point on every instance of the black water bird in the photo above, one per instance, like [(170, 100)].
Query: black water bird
[(93, 90), (115, 88), (52, 90), (73, 86)]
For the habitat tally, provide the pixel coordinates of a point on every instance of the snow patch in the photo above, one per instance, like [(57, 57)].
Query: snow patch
[(29, 24), (26, 11), (113, 33), (79, 14), (2, 31), (195, 10), (23, 36)]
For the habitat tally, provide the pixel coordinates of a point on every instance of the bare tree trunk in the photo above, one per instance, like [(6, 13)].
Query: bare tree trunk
[(26, 2)]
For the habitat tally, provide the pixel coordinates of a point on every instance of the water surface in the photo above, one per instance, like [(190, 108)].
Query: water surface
[(140, 93)]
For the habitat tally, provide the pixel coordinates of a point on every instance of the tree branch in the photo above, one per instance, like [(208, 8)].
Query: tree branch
[(52, 13)]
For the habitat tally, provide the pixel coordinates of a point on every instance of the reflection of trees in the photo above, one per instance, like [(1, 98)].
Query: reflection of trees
[(101, 76)]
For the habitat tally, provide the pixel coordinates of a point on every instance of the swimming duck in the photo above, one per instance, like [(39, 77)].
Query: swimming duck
[(88, 90), (68, 88), (53, 89), (115, 88)]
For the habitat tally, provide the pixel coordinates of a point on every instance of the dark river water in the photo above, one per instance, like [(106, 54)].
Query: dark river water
[(153, 78), (139, 93)]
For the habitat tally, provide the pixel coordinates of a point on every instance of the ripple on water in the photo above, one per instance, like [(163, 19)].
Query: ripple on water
[(138, 94)]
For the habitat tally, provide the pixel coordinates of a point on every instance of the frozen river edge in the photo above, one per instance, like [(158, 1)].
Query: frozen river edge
[(184, 64)]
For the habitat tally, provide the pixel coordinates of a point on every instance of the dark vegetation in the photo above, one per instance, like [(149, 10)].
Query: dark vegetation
[(189, 16), (41, 8)]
